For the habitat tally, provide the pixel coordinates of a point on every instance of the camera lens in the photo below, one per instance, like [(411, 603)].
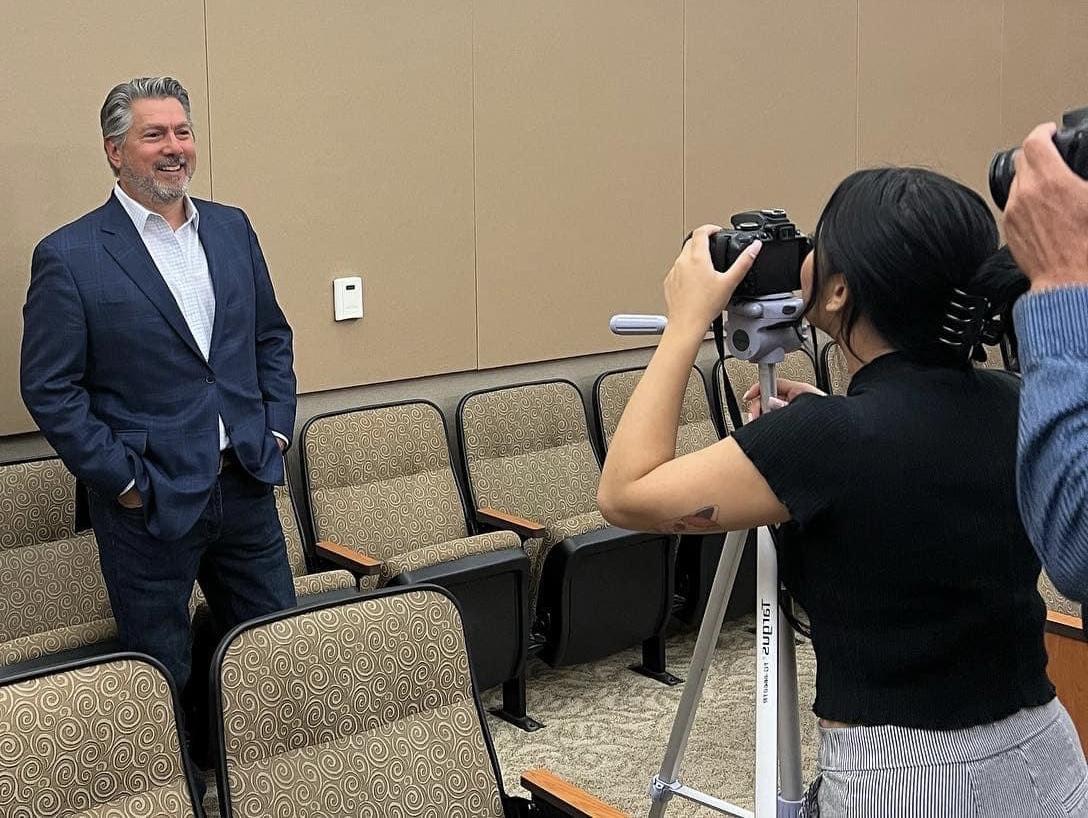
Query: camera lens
[(1002, 170)]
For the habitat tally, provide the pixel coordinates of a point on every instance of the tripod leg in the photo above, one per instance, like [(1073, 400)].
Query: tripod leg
[(791, 784), (767, 642), (705, 643)]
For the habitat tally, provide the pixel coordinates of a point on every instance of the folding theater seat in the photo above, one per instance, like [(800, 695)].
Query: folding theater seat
[(53, 603), (595, 589), (363, 708), (95, 738), (697, 557), (381, 488)]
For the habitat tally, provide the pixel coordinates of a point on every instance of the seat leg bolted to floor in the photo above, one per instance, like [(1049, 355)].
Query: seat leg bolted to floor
[(653, 662), (513, 708)]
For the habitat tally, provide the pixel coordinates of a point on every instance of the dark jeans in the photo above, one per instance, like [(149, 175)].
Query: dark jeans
[(235, 551)]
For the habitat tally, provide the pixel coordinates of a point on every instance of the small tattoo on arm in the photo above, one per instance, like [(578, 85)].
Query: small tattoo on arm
[(701, 521)]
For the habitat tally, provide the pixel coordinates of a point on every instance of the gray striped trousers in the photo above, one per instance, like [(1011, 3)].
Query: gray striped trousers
[(1029, 765)]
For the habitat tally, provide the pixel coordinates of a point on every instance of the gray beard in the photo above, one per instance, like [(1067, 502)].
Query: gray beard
[(156, 192)]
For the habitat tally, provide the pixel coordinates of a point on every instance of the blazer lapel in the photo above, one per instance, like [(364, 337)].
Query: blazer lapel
[(213, 252), (125, 245)]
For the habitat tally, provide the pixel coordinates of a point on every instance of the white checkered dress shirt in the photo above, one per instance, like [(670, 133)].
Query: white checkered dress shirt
[(179, 257)]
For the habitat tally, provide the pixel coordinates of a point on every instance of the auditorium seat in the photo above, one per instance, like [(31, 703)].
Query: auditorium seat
[(697, 556), (595, 589), (53, 603), (95, 738), (741, 375), (381, 487), (362, 708)]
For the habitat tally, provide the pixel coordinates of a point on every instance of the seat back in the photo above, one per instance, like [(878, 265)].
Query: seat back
[(1054, 599), (379, 479), (52, 596), (527, 451), (364, 708), (98, 738), (833, 368), (292, 531), (613, 390)]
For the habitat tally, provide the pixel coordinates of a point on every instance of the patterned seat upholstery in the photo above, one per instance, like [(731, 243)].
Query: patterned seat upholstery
[(380, 482), (528, 452), (305, 584), (53, 597), (97, 739), (363, 708), (835, 373), (696, 430), (1054, 599)]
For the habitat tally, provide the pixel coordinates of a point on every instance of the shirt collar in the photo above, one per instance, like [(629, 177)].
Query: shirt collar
[(140, 214)]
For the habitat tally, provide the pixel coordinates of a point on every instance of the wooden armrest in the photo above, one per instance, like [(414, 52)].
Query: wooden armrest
[(1066, 625), (510, 522), (552, 790), (355, 561)]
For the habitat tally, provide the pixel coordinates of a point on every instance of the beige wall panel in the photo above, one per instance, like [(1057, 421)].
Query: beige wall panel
[(58, 60), (1046, 63), (771, 107), (930, 94), (345, 131), (579, 154)]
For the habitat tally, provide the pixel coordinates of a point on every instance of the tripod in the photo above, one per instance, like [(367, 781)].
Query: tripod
[(759, 330)]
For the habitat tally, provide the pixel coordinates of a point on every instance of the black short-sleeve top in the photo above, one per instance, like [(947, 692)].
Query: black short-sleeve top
[(905, 546)]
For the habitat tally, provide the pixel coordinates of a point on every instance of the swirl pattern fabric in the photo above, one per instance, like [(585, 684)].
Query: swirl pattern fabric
[(448, 551), (528, 452), (838, 376), (292, 536), (696, 430), (98, 741), (53, 596), (1054, 599), (362, 709), (380, 480)]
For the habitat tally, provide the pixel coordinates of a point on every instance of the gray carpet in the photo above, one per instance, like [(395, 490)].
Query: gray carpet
[(607, 727)]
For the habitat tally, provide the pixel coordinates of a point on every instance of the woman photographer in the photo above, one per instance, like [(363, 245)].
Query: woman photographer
[(901, 536)]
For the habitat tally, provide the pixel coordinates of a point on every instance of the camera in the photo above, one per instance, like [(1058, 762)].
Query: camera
[(778, 267), (1072, 143)]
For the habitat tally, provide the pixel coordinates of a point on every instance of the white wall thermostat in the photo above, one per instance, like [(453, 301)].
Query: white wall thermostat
[(347, 298)]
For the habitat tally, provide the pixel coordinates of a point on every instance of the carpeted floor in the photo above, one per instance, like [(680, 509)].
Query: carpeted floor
[(607, 728)]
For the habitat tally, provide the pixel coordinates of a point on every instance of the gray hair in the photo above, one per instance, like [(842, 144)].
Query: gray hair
[(116, 115)]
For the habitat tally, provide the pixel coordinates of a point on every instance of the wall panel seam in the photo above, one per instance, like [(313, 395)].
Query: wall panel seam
[(208, 104)]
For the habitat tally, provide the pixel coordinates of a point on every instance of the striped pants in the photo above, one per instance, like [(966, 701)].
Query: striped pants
[(1029, 765)]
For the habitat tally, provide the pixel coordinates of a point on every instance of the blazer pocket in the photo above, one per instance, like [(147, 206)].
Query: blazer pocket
[(134, 439)]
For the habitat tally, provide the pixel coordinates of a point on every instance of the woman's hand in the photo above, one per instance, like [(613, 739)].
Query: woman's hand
[(787, 391), (696, 293)]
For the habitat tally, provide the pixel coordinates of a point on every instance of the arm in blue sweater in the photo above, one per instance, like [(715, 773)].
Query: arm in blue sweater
[(1052, 464)]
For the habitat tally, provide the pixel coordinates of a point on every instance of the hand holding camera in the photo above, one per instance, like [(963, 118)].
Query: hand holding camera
[(1046, 221), (695, 292)]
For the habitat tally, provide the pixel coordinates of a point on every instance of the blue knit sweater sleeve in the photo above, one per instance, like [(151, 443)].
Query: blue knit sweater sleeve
[(1052, 462)]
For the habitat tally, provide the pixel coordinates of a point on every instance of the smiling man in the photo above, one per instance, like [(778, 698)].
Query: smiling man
[(158, 364)]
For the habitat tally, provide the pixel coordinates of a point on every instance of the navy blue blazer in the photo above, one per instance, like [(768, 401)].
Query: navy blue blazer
[(116, 382)]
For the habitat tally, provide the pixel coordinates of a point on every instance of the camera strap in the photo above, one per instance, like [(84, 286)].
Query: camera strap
[(730, 396)]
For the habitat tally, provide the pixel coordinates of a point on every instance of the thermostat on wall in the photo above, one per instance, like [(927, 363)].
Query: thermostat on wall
[(347, 298)]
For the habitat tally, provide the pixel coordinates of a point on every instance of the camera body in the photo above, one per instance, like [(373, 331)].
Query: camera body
[(1071, 141), (777, 269)]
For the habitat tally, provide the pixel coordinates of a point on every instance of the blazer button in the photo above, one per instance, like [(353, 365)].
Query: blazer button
[(209, 379)]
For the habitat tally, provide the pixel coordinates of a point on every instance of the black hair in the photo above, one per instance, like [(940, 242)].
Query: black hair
[(905, 239)]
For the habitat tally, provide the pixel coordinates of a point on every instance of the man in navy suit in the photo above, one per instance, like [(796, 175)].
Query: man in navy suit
[(157, 363)]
